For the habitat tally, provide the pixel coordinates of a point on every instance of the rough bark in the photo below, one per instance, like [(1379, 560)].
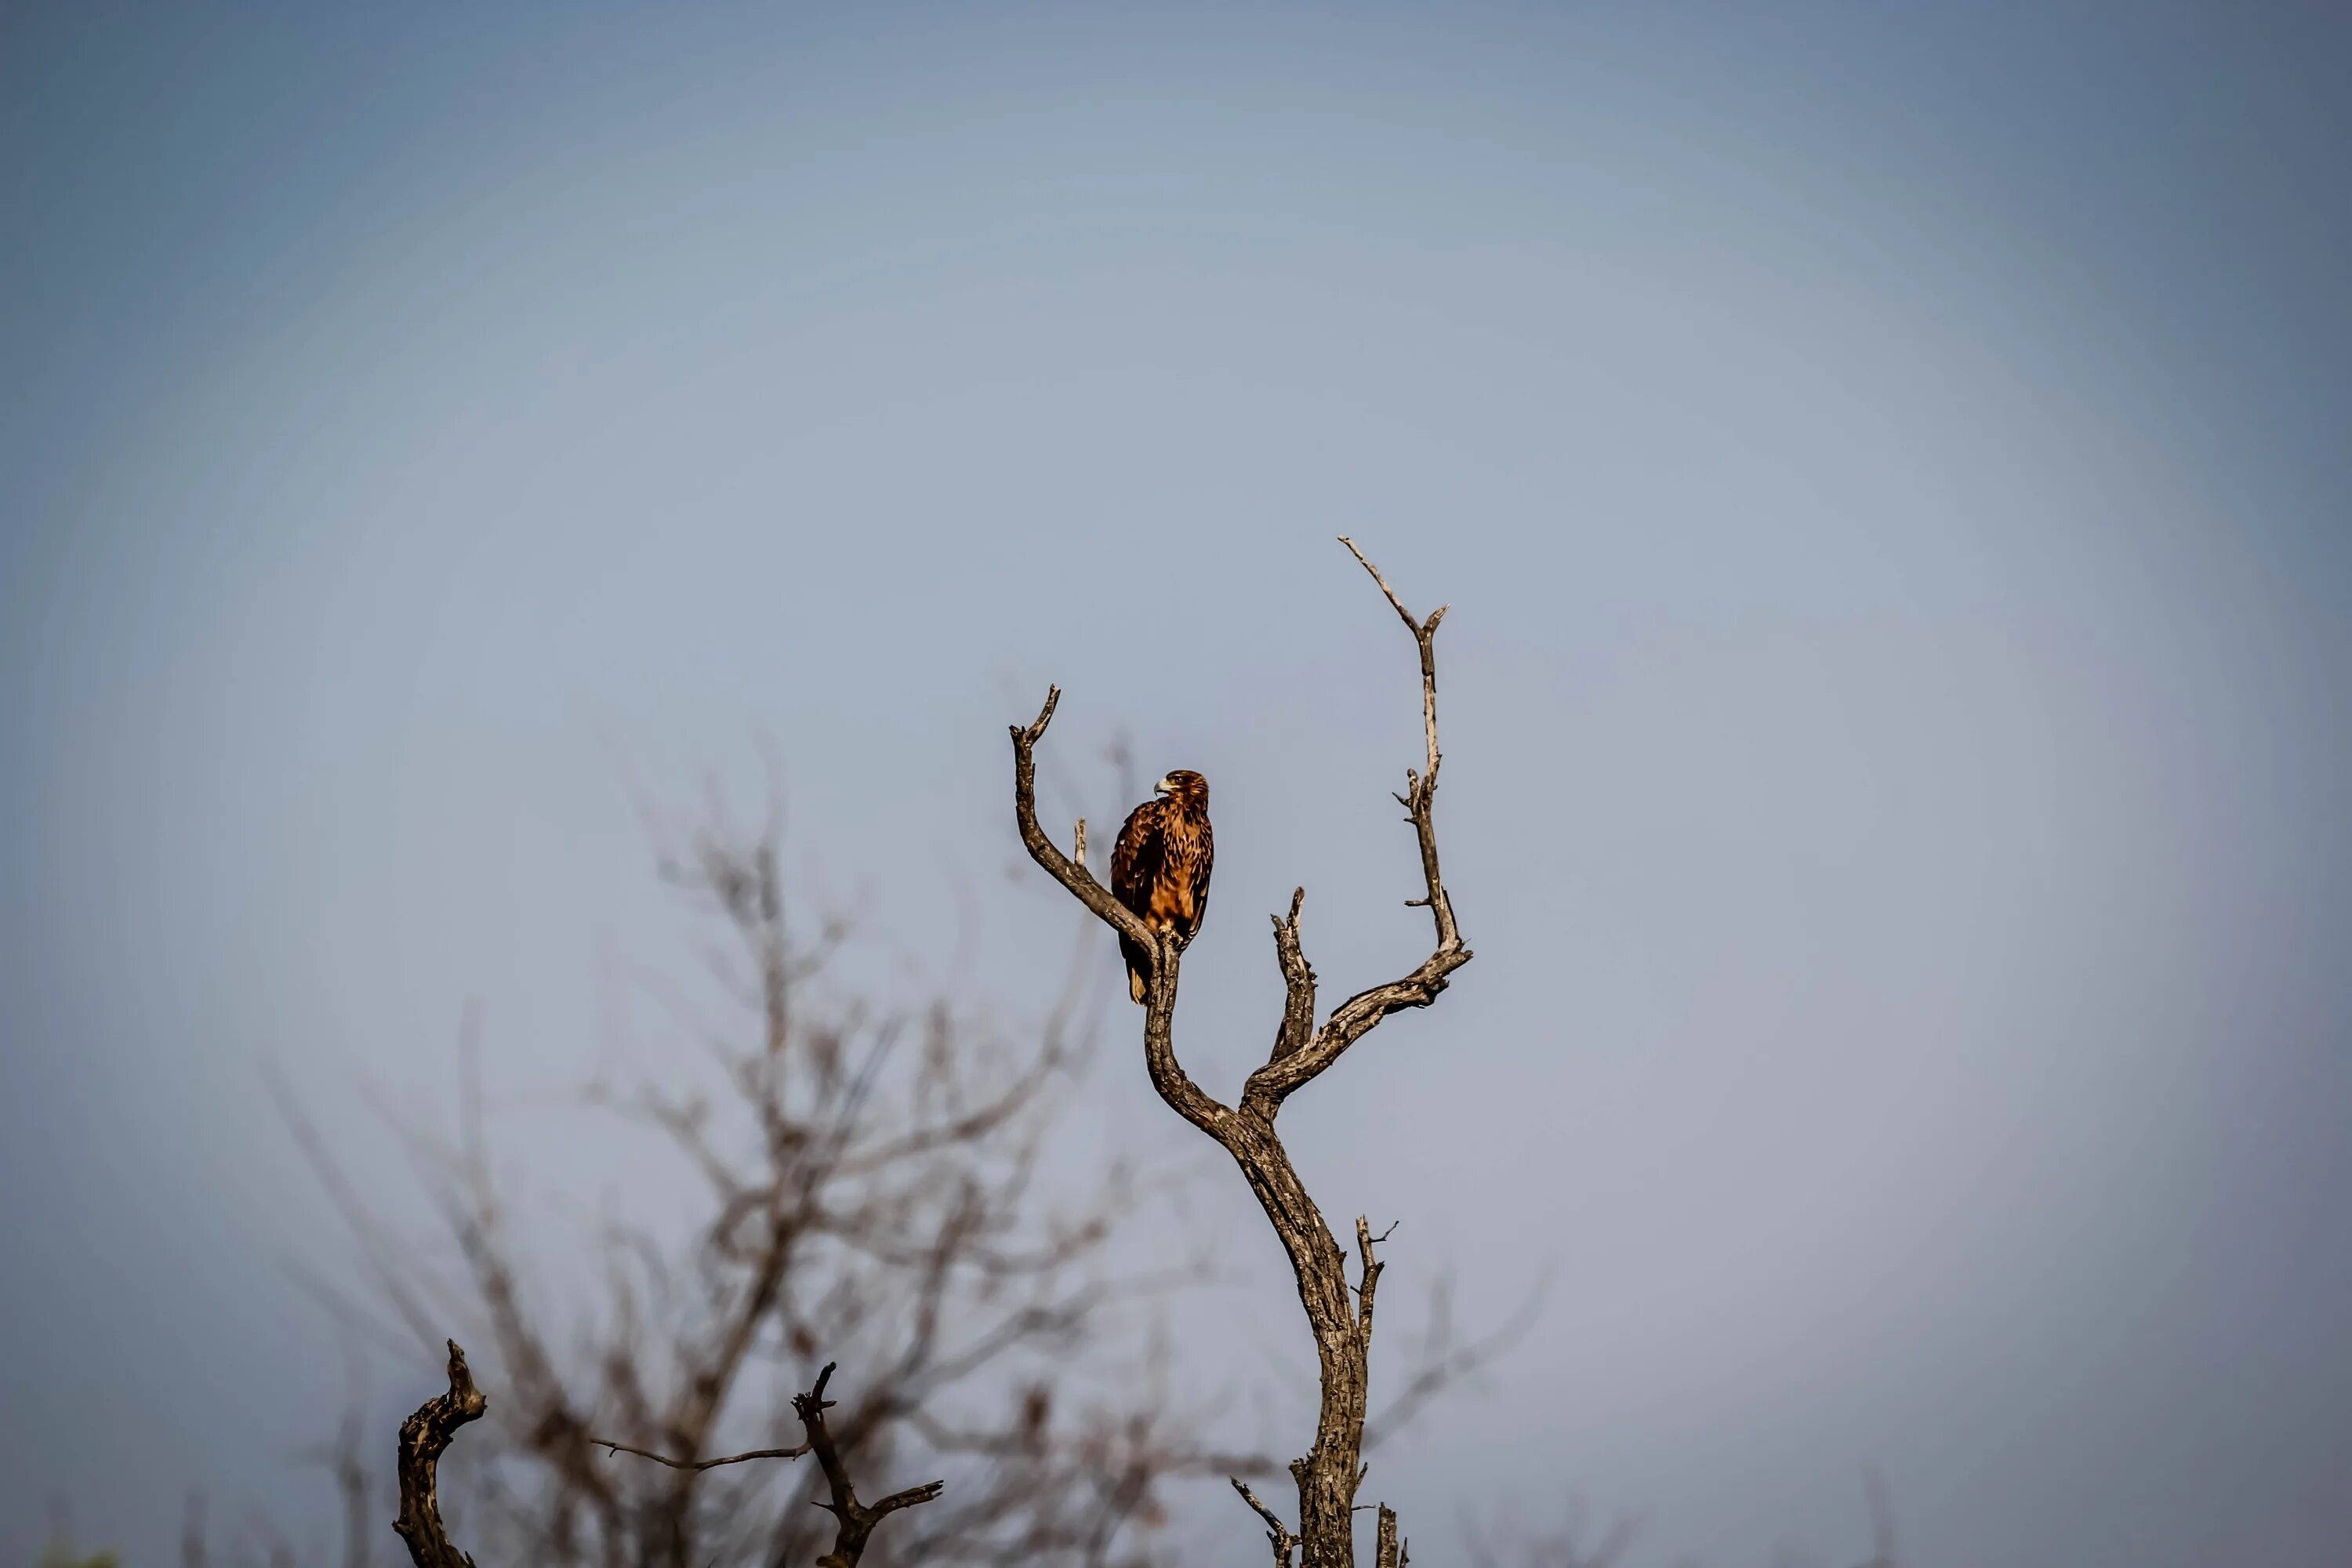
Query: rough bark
[(423, 1439), (1340, 1315)]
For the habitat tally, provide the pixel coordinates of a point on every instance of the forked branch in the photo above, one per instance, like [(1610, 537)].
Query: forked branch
[(856, 1519), (1278, 1535), (1296, 1063)]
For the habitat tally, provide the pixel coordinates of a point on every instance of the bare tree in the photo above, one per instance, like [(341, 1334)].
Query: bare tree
[(869, 1188), (1340, 1313)]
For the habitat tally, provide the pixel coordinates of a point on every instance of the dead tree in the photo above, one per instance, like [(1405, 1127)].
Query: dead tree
[(425, 1435), (1340, 1313)]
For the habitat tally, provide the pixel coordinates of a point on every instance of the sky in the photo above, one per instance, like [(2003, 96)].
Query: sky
[(1889, 467)]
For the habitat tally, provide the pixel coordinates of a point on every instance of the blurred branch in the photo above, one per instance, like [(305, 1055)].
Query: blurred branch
[(1882, 1520)]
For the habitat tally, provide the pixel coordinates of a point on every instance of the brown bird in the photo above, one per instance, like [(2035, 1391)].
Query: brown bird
[(1160, 867)]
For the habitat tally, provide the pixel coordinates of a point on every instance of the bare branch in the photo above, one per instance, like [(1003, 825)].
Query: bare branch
[(1402, 614), (191, 1533), (1298, 982), (1424, 632), (1371, 1266), (1562, 1548), (699, 1465), (424, 1438), (856, 1519), (1882, 1521), (1168, 1076), (1277, 1534), (1291, 1069), (1444, 1363), (1042, 849)]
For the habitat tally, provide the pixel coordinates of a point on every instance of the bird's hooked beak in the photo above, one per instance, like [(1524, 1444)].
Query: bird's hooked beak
[(1163, 788)]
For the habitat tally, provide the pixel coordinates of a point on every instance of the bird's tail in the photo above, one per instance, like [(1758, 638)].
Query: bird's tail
[(1139, 975)]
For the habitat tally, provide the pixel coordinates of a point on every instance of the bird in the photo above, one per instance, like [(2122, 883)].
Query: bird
[(1160, 867)]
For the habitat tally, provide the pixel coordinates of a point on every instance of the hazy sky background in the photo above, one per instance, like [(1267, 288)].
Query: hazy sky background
[(1890, 466)]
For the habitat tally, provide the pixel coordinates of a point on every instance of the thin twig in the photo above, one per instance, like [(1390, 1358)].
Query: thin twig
[(1278, 1535), (611, 1447)]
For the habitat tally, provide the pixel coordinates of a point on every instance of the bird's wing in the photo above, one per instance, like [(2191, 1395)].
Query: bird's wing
[(1135, 859)]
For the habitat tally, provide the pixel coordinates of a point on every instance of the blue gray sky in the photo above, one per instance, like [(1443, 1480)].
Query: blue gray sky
[(1889, 465)]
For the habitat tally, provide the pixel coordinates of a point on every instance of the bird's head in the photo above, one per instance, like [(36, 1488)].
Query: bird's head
[(1185, 787)]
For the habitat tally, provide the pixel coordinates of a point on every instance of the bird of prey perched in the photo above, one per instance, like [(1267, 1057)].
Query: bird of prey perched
[(1160, 867)]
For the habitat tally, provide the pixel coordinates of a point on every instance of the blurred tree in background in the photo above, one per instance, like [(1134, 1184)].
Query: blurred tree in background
[(865, 1168)]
